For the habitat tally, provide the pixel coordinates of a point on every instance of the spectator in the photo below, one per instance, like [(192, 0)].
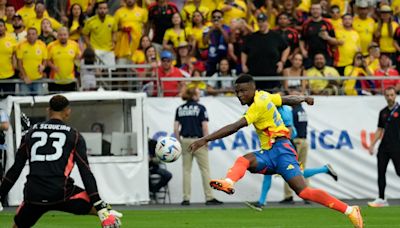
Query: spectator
[(288, 33), (189, 9), (240, 29), (191, 123), (100, 34), (47, 34), (160, 18), (217, 38), (154, 168), (88, 76), (364, 25), (87, 6), (271, 9), (27, 11), (32, 56), (10, 12), (389, 134), (384, 31), (349, 44), (224, 70), (359, 68), (130, 21), (196, 31), (232, 9), (62, 54), (57, 9), (3, 4), (317, 36), (295, 70), (336, 18), (175, 35), (4, 125), (264, 54), (294, 15), (374, 52), (76, 21), (386, 69), (19, 33), (105, 145), (186, 62), (152, 58), (203, 86), (36, 21), (7, 54), (320, 69), (139, 57), (166, 70)]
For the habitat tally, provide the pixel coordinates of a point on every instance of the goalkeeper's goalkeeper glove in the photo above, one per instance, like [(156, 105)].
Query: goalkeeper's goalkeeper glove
[(109, 218)]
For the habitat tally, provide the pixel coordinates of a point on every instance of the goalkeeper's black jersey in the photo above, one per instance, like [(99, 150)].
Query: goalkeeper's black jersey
[(51, 148)]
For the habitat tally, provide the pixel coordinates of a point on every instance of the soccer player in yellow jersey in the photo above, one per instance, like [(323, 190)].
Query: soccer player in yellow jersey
[(277, 154), (62, 55), (7, 51), (31, 57)]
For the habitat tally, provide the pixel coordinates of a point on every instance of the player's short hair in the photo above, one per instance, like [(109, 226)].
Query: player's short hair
[(58, 103), (244, 78)]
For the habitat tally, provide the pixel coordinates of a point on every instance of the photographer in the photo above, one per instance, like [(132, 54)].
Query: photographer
[(217, 36), (359, 68)]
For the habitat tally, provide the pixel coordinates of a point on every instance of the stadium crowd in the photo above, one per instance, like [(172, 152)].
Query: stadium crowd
[(200, 38)]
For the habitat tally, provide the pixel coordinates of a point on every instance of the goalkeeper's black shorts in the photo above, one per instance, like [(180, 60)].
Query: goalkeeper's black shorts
[(28, 213)]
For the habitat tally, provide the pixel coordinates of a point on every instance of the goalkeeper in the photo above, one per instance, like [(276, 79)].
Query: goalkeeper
[(51, 149)]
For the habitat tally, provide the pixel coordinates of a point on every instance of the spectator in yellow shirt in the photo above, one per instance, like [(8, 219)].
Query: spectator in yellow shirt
[(384, 31), (139, 57), (372, 59), (76, 21), (86, 5), (10, 12), (28, 10), (62, 55), (175, 35), (359, 68), (322, 87), (31, 57), (364, 25), (336, 19), (7, 57), (130, 21), (349, 45), (197, 29), (189, 9), (233, 9), (19, 33), (35, 22), (100, 32)]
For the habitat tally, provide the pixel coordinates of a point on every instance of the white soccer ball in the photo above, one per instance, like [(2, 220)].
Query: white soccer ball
[(168, 149)]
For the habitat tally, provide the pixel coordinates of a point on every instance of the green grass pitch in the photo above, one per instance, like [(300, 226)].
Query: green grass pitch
[(224, 217)]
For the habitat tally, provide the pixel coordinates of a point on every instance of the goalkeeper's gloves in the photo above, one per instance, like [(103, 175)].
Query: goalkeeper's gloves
[(109, 218)]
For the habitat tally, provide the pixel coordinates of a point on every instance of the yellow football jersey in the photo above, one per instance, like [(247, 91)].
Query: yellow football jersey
[(266, 119), (32, 57), (63, 57)]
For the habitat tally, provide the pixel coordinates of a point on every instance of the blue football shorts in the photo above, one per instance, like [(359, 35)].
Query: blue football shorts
[(280, 159)]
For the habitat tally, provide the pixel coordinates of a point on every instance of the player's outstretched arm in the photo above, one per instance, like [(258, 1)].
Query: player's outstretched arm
[(221, 133), (293, 100)]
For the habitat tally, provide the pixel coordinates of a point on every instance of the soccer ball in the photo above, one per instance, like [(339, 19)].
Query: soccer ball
[(168, 149)]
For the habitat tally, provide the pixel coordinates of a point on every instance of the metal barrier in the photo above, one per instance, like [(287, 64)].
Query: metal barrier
[(145, 78)]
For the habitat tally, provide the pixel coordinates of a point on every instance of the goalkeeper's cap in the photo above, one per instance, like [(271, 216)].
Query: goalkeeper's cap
[(58, 103)]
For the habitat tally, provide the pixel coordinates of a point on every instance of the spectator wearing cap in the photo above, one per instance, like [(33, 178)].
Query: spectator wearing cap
[(185, 61), (131, 21), (364, 25), (19, 33), (100, 33), (349, 44), (166, 70), (384, 31), (233, 9), (36, 21), (62, 54), (264, 54), (317, 36), (386, 69), (217, 37), (7, 54), (10, 12)]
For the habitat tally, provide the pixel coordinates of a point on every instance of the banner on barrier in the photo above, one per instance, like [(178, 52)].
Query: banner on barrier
[(340, 130)]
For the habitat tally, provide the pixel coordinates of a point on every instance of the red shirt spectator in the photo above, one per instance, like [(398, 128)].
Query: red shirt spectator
[(386, 69), (166, 70)]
